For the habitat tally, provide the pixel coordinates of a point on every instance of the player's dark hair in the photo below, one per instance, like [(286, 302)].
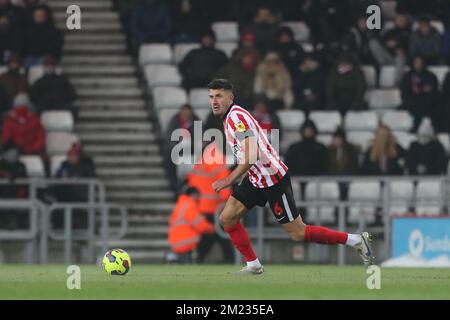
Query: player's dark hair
[(191, 191), (220, 84)]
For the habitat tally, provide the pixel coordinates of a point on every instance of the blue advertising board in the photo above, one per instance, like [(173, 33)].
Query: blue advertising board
[(425, 238)]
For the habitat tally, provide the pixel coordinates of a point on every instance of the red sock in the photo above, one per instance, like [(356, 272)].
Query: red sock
[(324, 235), (241, 241)]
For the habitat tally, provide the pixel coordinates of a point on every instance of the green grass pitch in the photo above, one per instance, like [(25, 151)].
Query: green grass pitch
[(281, 282)]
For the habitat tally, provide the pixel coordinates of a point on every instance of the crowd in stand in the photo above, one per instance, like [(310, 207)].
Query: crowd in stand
[(272, 71), (31, 83)]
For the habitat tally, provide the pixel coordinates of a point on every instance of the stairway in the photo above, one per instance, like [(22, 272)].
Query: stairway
[(115, 127)]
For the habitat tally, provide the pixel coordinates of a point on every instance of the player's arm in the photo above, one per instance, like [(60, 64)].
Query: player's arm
[(250, 156)]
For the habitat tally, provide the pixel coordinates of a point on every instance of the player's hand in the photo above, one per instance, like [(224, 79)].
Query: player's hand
[(221, 184)]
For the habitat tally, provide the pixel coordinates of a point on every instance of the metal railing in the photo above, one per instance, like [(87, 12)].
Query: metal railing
[(385, 202), (41, 230)]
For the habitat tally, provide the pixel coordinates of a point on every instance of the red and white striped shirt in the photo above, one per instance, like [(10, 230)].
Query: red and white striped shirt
[(268, 169)]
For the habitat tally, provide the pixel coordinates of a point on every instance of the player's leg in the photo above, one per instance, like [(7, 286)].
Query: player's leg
[(283, 206), (230, 218)]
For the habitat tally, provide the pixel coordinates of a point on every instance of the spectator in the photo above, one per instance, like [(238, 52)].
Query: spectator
[(268, 120), (77, 165), (41, 37), (342, 155), (22, 126), (53, 91), (188, 22), (307, 157), (290, 52), (419, 91), (13, 81), (265, 28), (427, 42), (149, 22), (309, 85), (346, 85), (199, 65), (274, 82), (426, 156), (247, 41), (10, 39), (446, 103), (186, 225), (11, 168), (240, 71), (184, 119), (202, 177), (394, 45), (385, 156)]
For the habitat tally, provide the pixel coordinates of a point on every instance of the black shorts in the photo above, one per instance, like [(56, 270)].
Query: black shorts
[(279, 196)]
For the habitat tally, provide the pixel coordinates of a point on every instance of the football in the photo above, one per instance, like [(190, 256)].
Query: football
[(116, 262)]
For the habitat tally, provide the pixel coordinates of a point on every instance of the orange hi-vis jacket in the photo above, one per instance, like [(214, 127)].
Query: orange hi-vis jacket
[(202, 177), (186, 224)]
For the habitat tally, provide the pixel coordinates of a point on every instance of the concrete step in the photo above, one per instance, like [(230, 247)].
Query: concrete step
[(100, 70), (149, 196), (158, 231), (144, 219), (136, 183), (114, 127), (136, 243), (94, 48), (110, 103), (148, 256), (61, 5), (134, 160), (129, 92), (128, 172), (109, 82), (96, 148), (99, 26), (110, 59), (165, 207), (128, 114), (119, 138), (87, 15)]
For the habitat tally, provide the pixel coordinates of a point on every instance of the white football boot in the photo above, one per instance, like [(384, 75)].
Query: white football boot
[(247, 270), (364, 249)]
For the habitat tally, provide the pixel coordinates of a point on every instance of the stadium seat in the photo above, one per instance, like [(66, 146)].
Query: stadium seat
[(158, 75), (428, 198), (361, 121), (227, 47), (289, 137), (370, 74), (325, 139), (384, 98), (55, 163), (58, 143), (57, 120), (202, 113), (3, 69), (164, 117), (180, 50), (37, 71), (226, 31), (444, 138), (388, 9), (199, 98), (361, 139), (169, 97), (438, 25), (402, 193), (34, 166), (360, 192), (440, 72), (155, 53), (397, 120), (300, 29), (291, 119), (387, 77), (307, 47), (404, 139), (325, 191), (296, 191), (326, 121)]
